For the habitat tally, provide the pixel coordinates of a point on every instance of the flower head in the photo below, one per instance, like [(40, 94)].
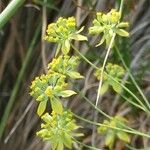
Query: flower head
[(65, 65), (112, 134), (58, 129), (108, 24), (50, 87), (116, 72), (62, 32)]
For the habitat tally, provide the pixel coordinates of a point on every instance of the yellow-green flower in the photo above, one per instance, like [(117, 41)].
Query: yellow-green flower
[(50, 87), (59, 129), (63, 32), (116, 72), (112, 134), (65, 65), (108, 24)]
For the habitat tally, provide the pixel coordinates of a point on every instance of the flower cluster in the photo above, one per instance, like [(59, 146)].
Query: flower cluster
[(112, 134), (116, 72), (62, 32), (108, 24), (58, 128), (65, 65), (50, 87)]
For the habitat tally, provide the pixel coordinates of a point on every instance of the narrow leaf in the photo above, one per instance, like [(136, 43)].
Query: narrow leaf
[(67, 93), (123, 136), (122, 32), (60, 146), (79, 37), (110, 138), (41, 107), (101, 41), (66, 47), (117, 87), (104, 88), (75, 75), (56, 106)]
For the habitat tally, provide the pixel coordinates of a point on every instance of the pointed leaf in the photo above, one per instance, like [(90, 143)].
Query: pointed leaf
[(80, 30), (67, 140), (41, 107), (123, 24), (56, 106), (110, 138), (116, 86), (66, 47), (79, 37), (60, 146), (67, 93), (123, 136), (101, 41), (75, 75), (58, 49), (122, 32), (104, 88)]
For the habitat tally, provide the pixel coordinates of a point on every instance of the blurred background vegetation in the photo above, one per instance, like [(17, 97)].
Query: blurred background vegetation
[(24, 54)]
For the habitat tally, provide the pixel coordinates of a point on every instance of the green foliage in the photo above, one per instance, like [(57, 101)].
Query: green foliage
[(63, 32), (115, 71), (108, 24), (58, 128), (112, 134), (65, 65), (50, 87)]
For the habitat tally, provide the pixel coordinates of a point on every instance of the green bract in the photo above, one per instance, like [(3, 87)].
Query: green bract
[(58, 129), (65, 65), (62, 32), (108, 24), (50, 87), (116, 72), (112, 134)]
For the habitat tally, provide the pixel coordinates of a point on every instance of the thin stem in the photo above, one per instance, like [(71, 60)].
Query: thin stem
[(99, 110), (103, 113), (102, 70), (115, 128), (132, 78), (76, 50), (133, 103), (132, 94), (126, 89), (85, 145), (121, 6), (106, 57), (9, 11)]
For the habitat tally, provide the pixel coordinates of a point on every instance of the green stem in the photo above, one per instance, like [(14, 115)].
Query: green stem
[(103, 113), (99, 110), (132, 94), (9, 11), (85, 145), (132, 78), (126, 89), (133, 103), (18, 82), (115, 128), (121, 6), (84, 58)]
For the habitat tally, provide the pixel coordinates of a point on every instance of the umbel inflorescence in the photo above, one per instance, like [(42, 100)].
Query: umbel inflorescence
[(59, 126), (107, 25)]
